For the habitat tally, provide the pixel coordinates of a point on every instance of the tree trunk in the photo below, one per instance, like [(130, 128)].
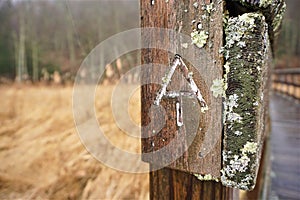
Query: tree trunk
[(35, 62), (21, 70), (70, 35)]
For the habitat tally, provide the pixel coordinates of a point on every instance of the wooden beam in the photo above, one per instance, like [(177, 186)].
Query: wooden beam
[(273, 11), (248, 62)]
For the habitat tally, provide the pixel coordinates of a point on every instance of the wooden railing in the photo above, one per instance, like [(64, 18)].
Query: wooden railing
[(287, 81)]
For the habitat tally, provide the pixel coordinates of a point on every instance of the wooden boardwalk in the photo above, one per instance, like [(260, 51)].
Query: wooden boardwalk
[(285, 148)]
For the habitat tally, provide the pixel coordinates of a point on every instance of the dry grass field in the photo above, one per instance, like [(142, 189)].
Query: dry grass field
[(42, 156)]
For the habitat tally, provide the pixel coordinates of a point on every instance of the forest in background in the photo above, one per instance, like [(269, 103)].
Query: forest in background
[(38, 38)]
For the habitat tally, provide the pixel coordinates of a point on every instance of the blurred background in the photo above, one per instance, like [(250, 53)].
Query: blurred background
[(39, 38), (42, 44)]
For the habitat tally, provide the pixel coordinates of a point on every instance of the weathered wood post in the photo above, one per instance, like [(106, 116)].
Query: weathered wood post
[(187, 17), (190, 155)]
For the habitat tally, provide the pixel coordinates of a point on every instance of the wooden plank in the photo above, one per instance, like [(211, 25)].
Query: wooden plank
[(248, 59), (186, 17)]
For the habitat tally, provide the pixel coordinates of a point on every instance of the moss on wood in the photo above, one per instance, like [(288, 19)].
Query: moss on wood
[(247, 49), (273, 10)]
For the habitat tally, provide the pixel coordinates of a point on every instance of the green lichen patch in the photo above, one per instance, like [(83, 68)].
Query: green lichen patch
[(246, 50), (249, 147), (273, 10), (265, 3), (209, 7), (217, 87), (199, 38), (278, 13), (207, 177)]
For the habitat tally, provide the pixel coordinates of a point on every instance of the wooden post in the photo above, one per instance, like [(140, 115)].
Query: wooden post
[(244, 87), (190, 19), (174, 184), (176, 181)]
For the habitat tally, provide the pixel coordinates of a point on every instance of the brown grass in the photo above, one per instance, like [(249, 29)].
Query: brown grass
[(42, 157)]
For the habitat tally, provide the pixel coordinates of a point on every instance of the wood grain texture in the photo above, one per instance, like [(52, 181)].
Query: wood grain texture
[(183, 17), (173, 184)]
